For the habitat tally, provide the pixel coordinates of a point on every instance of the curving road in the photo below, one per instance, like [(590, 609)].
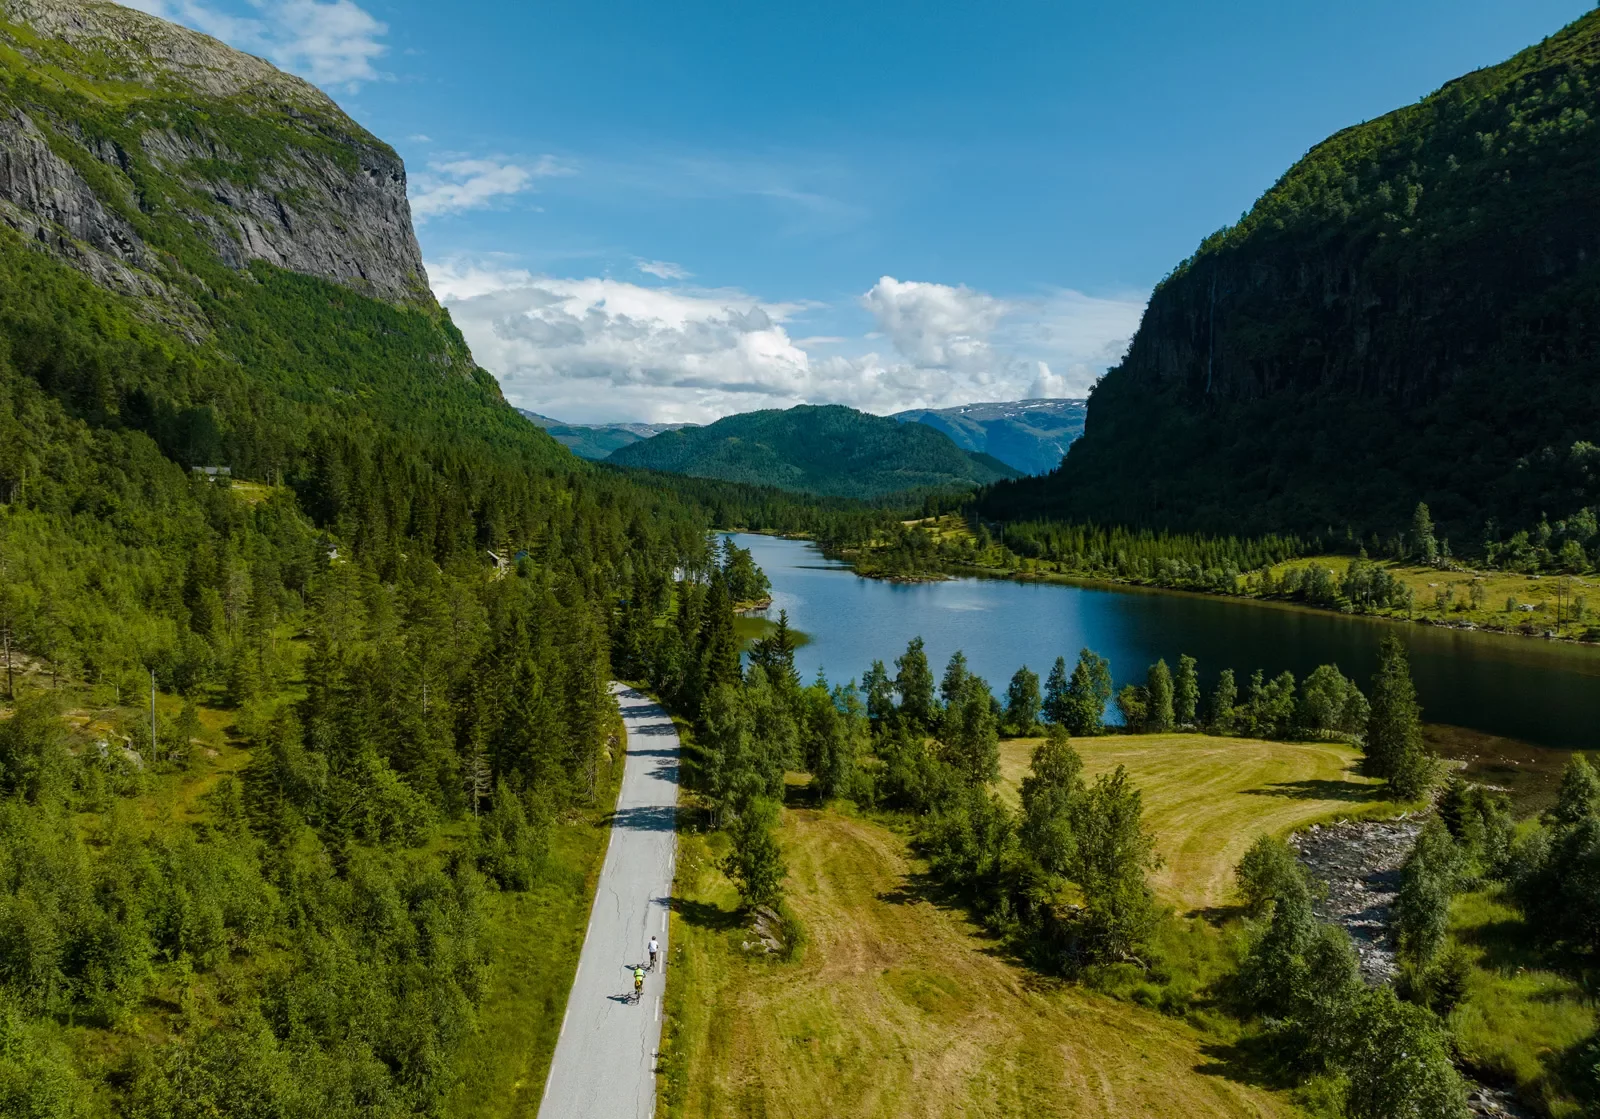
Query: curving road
[(604, 1065)]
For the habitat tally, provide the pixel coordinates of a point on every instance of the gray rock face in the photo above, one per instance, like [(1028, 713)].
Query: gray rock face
[(317, 194)]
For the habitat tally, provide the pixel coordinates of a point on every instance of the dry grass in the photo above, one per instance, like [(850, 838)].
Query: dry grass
[(1207, 799), (899, 1007)]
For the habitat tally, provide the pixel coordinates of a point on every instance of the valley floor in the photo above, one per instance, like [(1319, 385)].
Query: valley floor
[(1207, 798), (899, 1006)]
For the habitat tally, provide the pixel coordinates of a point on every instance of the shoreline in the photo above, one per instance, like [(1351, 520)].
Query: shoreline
[(1111, 583)]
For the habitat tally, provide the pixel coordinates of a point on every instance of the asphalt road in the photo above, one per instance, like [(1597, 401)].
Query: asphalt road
[(604, 1066)]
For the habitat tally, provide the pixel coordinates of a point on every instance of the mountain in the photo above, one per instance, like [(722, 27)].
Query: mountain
[(279, 886), (1028, 435), (1412, 312), (596, 441), (825, 449)]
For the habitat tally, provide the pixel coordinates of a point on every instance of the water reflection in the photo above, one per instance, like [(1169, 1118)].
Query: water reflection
[(1541, 692)]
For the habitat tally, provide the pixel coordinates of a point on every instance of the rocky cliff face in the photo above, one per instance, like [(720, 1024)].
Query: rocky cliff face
[(125, 139), (1411, 313)]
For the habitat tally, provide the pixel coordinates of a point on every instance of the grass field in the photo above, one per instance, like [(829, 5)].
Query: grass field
[(1523, 1014), (1207, 799), (1447, 596), (899, 1007)]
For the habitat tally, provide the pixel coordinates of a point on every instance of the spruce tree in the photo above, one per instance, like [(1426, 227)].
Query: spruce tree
[(879, 691), (1223, 699), (1055, 694), (1424, 546), (1158, 702), (1186, 692), (914, 681), (1394, 746)]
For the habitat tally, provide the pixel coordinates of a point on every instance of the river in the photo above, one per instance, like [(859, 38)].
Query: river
[(1539, 692)]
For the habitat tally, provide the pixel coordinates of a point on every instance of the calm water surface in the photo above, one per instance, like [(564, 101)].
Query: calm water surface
[(1540, 692)]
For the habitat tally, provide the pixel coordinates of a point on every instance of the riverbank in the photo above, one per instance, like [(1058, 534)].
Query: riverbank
[(1557, 607)]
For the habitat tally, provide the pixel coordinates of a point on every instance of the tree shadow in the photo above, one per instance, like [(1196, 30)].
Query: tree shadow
[(1321, 789), (1254, 1060), (657, 817), (703, 915), (1217, 915), (796, 795)]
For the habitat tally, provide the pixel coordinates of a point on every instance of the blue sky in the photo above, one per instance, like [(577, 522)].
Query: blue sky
[(677, 211)]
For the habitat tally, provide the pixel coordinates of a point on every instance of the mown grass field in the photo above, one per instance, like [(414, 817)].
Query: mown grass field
[(897, 1006), (1208, 798)]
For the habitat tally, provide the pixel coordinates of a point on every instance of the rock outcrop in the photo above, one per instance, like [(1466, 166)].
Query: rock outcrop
[(121, 135)]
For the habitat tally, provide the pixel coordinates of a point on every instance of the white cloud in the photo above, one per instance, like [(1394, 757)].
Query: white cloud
[(333, 43), (452, 185), (603, 349), (420, 138), (664, 269), (934, 324)]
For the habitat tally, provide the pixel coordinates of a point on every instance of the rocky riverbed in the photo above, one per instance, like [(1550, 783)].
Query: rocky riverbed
[(1360, 860), (1360, 863)]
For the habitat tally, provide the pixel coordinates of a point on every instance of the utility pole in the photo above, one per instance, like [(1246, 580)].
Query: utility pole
[(152, 714)]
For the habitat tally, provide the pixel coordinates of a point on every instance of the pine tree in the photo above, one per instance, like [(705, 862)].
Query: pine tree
[(1056, 701), (954, 684), (1394, 746), (1186, 692), (1158, 703), (1223, 700), (879, 691), (1424, 546), (914, 681)]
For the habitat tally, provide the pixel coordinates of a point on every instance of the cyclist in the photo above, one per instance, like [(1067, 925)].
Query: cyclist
[(654, 948), (638, 983)]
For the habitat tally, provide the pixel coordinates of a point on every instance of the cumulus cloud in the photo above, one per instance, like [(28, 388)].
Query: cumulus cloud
[(934, 324), (334, 43), (450, 186), (602, 349)]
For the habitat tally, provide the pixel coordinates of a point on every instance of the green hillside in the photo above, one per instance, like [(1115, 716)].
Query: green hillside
[(377, 756), (1411, 313), (827, 449)]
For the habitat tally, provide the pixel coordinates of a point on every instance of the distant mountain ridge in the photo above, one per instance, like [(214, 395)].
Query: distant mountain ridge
[(1028, 435), (597, 441), (822, 449)]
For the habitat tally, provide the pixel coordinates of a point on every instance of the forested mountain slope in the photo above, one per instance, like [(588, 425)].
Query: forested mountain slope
[(1411, 313), (827, 449), (280, 899), (1026, 435)]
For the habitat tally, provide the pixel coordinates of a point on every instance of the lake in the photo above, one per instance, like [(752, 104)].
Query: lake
[(1540, 692)]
